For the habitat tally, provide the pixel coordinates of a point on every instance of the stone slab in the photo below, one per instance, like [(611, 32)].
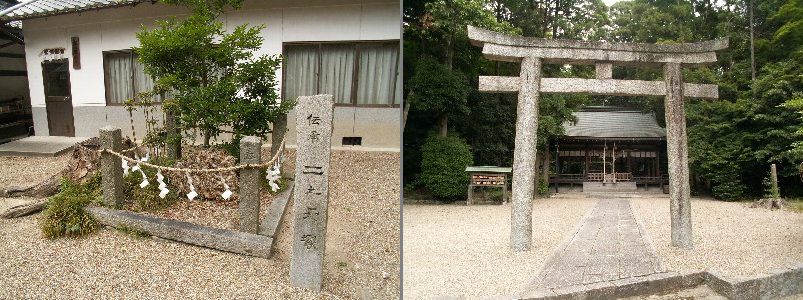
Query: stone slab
[(479, 36), (614, 87), (220, 239), (314, 118), (276, 211), (46, 146)]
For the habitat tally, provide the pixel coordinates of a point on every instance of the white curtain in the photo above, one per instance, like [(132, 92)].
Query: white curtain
[(119, 86), (142, 82), (377, 74), (302, 69), (337, 71)]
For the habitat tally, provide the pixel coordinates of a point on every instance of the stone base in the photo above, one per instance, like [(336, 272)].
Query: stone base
[(776, 284), (623, 186)]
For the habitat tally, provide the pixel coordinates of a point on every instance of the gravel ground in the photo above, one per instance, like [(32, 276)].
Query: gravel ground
[(27, 171), (362, 253), (464, 251), (730, 237)]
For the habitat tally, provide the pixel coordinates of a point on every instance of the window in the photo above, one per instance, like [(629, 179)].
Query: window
[(357, 73), (124, 76)]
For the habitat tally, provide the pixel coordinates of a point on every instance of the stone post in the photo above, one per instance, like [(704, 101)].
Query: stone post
[(521, 228), (678, 156), (314, 117), (111, 166), (776, 192), (250, 147), (277, 135)]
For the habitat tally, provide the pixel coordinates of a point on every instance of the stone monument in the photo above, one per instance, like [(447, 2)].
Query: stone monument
[(314, 117)]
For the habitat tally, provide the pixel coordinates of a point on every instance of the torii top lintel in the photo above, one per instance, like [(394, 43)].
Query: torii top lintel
[(503, 47)]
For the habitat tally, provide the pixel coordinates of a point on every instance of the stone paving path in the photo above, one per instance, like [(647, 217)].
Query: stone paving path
[(609, 244)]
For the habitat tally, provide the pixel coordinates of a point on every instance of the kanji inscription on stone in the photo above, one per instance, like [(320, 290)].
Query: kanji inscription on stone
[(314, 115)]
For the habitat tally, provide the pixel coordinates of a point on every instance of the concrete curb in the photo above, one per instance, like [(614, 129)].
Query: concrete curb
[(778, 283)]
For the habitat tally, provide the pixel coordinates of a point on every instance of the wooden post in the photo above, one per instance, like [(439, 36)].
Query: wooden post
[(250, 153), (678, 155), (524, 154), (111, 166)]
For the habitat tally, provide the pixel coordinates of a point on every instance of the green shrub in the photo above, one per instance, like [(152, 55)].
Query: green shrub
[(64, 215), (731, 190), (443, 166), (543, 186), (134, 232), (147, 199)]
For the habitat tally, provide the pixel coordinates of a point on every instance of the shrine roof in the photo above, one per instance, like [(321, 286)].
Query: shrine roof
[(598, 122)]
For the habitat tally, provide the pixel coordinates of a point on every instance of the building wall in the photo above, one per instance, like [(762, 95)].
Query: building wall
[(285, 21)]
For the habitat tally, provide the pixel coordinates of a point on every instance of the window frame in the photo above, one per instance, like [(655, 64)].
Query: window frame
[(355, 76), (131, 53)]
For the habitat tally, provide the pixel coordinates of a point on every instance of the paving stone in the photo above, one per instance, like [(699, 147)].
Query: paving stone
[(608, 245)]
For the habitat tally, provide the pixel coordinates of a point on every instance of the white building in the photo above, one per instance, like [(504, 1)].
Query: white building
[(79, 61)]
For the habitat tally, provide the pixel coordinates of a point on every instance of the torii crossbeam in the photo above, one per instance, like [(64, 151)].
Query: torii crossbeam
[(533, 52)]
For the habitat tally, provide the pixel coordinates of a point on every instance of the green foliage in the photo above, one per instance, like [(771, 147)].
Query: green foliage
[(215, 80), (769, 189), (147, 199), (443, 166), (437, 89), (543, 187), (64, 215)]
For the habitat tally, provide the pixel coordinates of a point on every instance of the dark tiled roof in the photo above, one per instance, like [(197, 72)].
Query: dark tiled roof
[(613, 123), (43, 8)]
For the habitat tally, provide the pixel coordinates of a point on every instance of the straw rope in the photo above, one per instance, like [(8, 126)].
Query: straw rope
[(189, 170)]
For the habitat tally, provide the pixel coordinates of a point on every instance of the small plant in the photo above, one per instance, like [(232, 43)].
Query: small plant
[(65, 216), (134, 232), (770, 191), (443, 166), (147, 199)]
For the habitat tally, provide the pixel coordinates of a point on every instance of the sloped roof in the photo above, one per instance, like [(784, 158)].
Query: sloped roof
[(613, 123), (44, 8)]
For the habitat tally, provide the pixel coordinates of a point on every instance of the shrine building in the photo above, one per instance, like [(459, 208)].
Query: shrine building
[(609, 148)]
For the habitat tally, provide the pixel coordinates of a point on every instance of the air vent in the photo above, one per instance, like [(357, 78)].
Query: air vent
[(352, 140)]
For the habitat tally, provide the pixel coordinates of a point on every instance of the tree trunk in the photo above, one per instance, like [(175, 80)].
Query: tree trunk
[(406, 111), (24, 209), (173, 135), (444, 126), (207, 136)]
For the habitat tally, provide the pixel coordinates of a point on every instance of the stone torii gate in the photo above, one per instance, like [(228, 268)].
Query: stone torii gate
[(533, 52)]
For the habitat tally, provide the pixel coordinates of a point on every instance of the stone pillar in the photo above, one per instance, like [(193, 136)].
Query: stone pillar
[(250, 153), (776, 193), (604, 70), (314, 117), (678, 156), (524, 155), (111, 166)]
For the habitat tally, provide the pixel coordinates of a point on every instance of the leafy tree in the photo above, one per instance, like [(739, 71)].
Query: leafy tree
[(215, 80)]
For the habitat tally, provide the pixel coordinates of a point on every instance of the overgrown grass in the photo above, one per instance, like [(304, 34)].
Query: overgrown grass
[(64, 215), (134, 232), (796, 204), (147, 199)]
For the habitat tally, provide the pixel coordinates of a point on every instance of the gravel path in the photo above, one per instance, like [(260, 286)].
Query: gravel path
[(27, 171), (456, 250), (362, 255), (730, 237)]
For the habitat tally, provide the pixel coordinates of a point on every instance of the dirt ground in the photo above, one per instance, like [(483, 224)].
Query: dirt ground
[(362, 250)]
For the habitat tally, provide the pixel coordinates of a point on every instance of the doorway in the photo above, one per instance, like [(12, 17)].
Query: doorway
[(58, 97)]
